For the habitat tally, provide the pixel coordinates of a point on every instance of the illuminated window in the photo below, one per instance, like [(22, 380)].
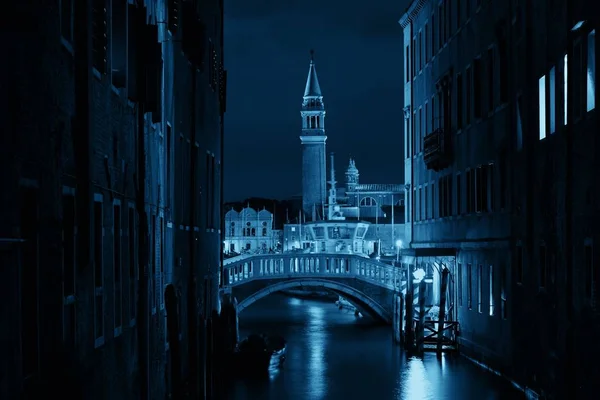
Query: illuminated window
[(552, 99), (565, 86), (591, 71), (479, 288), (491, 279), (542, 107)]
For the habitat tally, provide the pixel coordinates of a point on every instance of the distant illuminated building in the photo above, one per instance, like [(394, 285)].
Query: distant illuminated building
[(379, 208), (250, 231)]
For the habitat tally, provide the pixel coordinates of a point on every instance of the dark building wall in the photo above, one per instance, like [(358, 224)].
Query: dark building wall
[(534, 187), (69, 156)]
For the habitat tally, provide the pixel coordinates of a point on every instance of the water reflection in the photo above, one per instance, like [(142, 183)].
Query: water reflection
[(317, 339), (335, 356)]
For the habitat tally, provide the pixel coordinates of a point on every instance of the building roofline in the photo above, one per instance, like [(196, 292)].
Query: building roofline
[(411, 12)]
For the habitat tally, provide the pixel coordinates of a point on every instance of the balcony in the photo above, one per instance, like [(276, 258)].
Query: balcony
[(436, 150)]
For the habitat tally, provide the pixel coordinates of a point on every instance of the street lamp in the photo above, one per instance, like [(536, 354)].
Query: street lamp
[(418, 275), (398, 246)]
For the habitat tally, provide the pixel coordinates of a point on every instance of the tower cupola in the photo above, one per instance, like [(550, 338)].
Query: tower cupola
[(351, 176)]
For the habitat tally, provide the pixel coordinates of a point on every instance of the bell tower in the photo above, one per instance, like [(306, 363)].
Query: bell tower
[(313, 145)]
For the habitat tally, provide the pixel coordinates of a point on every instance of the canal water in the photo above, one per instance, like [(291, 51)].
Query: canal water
[(333, 355)]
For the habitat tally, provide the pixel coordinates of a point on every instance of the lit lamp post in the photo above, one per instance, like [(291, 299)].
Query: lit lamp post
[(398, 247), (418, 275)]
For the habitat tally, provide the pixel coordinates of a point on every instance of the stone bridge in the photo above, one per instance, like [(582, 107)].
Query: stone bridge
[(370, 284)]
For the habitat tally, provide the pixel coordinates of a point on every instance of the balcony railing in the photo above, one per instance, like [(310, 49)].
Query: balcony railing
[(436, 150)]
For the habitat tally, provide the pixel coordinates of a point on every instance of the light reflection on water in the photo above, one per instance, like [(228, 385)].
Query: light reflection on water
[(335, 356)]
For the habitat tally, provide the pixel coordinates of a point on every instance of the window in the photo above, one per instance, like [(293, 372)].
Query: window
[(420, 200), (469, 286), (491, 292), (420, 131), (470, 184), (469, 93), (99, 35), (502, 165), (591, 71), (433, 124), (118, 44), (458, 194), (519, 263), (432, 35), (30, 275), (209, 194), (98, 271), (491, 193), (169, 166), (66, 20), (433, 193), (578, 69), (459, 285), (542, 107), (426, 120), (491, 79), (503, 302), (69, 256), (543, 266), (448, 11), (153, 269), (441, 26), (426, 205), (132, 262), (426, 43), (565, 87), (477, 88), (413, 64), (414, 133), (421, 52), (407, 63), (161, 298), (117, 273), (459, 102), (552, 99), (414, 205), (480, 189), (458, 14), (368, 202), (479, 288)]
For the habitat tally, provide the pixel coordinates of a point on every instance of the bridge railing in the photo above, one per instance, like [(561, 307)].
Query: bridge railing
[(321, 265)]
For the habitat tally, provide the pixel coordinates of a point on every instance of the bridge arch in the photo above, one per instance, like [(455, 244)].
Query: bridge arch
[(353, 294)]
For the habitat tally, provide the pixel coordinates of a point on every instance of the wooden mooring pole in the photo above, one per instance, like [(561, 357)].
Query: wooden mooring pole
[(442, 314), (421, 326), (408, 326)]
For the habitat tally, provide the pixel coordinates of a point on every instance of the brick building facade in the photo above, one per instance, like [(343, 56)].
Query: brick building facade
[(111, 162)]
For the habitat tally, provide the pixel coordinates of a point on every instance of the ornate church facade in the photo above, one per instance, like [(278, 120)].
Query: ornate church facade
[(250, 231)]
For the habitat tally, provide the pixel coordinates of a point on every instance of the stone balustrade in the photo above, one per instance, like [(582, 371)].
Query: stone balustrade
[(321, 265)]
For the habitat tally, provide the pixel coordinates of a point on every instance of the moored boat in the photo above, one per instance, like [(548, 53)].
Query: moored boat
[(257, 354)]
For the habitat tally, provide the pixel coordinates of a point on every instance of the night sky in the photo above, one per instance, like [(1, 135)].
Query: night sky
[(358, 56)]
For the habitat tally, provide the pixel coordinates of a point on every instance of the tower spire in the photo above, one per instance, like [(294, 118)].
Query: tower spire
[(312, 89)]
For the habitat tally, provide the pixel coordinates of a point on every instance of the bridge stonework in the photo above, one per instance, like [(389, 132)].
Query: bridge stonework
[(373, 286)]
